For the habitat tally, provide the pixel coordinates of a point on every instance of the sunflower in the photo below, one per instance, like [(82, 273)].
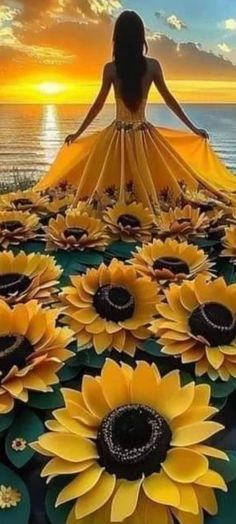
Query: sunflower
[(17, 227), (24, 277), (110, 307), (28, 200), (130, 222), (171, 261), (229, 243), (182, 222), (198, 324), (32, 350), (204, 199), (133, 439), (54, 207), (76, 231)]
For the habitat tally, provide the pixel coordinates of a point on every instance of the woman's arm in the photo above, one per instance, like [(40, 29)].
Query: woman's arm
[(172, 103), (97, 105)]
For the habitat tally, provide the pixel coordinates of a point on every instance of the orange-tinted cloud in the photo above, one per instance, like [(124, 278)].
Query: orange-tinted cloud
[(72, 39)]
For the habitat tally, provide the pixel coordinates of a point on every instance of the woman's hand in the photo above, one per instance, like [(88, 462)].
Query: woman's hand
[(71, 138), (201, 132)]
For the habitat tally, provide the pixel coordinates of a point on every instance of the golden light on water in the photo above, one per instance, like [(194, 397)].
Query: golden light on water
[(51, 88)]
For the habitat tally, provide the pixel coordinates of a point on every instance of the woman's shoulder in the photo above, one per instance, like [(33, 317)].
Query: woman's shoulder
[(152, 62)]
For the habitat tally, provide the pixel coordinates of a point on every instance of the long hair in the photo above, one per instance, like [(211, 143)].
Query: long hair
[(129, 45)]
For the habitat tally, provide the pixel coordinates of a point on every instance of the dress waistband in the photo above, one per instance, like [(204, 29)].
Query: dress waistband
[(140, 125)]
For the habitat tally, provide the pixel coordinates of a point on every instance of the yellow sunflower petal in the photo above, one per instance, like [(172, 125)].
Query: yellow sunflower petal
[(188, 498), (58, 466), (70, 424), (172, 403), (184, 465), (80, 485), (68, 447), (210, 452), (212, 479), (125, 500), (118, 394), (207, 499), (194, 433), (97, 497), (144, 374), (102, 341), (188, 518), (93, 397), (159, 488), (215, 357)]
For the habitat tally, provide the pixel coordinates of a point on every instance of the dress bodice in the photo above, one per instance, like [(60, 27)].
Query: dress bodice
[(125, 115)]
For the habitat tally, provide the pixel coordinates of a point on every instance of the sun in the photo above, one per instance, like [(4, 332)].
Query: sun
[(51, 88)]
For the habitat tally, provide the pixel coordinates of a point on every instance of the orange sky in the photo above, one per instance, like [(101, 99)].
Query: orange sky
[(52, 51)]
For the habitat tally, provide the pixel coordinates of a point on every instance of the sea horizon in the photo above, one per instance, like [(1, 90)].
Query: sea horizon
[(32, 134)]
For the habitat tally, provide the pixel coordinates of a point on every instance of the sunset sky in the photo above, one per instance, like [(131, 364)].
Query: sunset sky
[(54, 50)]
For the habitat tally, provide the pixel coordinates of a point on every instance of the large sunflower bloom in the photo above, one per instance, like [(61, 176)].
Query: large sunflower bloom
[(198, 324), (110, 307), (130, 222), (76, 231), (229, 243), (134, 440), (24, 277), (17, 227), (171, 261), (182, 222), (32, 350), (28, 200)]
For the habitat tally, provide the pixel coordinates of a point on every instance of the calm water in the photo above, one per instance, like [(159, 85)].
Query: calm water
[(30, 135)]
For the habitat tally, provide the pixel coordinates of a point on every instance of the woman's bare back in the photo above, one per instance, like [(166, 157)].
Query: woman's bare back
[(149, 77)]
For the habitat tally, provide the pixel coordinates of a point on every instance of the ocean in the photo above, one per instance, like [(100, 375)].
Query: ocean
[(30, 135)]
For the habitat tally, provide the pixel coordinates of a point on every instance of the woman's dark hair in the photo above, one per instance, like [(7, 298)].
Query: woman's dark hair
[(129, 46)]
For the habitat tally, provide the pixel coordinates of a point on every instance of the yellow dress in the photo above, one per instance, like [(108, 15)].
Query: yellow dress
[(131, 155)]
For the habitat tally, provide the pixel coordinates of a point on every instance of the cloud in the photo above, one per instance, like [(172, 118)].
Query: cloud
[(229, 24), (73, 38), (173, 21), (224, 48), (185, 61)]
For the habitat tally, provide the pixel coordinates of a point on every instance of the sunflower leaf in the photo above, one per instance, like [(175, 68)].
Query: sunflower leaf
[(6, 421), (50, 400), (56, 515), (152, 348), (219, 389), (88, 358), (226, 469), (121, 250), (205, 242), (225, 269), (227, 507), (21, 512), (67, 373), (27, 426)]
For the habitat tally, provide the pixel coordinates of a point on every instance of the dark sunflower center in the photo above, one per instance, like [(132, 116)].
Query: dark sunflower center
[(133, 440), (129, 220), (183, 220), (214, 322), (45, 218), (114, 303), (22, 202), (174, 264), (13, 283), (14, 350), (11, 225), (76, 232)]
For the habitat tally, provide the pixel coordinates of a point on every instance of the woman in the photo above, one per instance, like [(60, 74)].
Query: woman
[(131, 155)]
